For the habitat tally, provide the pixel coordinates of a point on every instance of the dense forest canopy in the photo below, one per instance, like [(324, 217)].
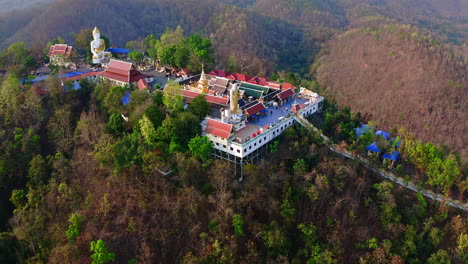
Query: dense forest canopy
[(84, 177)]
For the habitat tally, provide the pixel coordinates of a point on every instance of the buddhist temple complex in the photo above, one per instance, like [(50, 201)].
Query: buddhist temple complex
[(248, 113)]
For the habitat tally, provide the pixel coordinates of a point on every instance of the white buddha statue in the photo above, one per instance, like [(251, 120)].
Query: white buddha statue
[(98, 48)]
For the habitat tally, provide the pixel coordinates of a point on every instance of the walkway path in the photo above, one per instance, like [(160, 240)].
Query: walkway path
[(388, 175)]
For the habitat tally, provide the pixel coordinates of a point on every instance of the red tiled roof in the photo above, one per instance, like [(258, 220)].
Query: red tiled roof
[(274, 84), (285, 94), (209, 98), (60, 49), (135, 76), (122, 71), (218, 73), (185, 72), (120, 65), (190, 94), (217, 99), (79, 77), (286, 86), (239, 77), (258, 80), (218, 128), (255, 108), (142, 84), (114, 76)]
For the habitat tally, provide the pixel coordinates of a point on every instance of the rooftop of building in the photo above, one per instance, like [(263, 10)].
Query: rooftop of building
[(267, 119), (60, 49)]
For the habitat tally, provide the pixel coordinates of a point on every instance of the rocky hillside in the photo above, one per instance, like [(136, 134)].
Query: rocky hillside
[(402, 78)]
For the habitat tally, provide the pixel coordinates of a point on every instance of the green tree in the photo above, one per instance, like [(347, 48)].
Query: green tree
[(38, 171), (101, 253), (199, 106), (147, 131), (186, 126), (115, 124), (136, 56), (300, 167), (126, 151), (155, 115), (201, 51), (440, 257), (113, 99), (201, 147), (238, 224), (9, 101), (151, 43), (74, 229), (173, 97)]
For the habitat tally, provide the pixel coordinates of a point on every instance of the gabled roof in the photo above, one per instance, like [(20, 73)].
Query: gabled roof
[(255, 108), (209, 98), (185, 72), (285, 94), (122, 71), (239, 77), (258, 80), (190, 94), (274, 84), (217, 99), (218, 73), (60, 49), (218, 128), (142, 84), (286, 86), (220, 85)]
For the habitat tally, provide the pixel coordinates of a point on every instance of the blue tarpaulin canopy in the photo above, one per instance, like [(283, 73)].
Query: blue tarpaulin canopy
[(126, 98), (363, 129), (119, 50), (263, 111), (255, 116), (394, 156), (373, 147), (383, 134)]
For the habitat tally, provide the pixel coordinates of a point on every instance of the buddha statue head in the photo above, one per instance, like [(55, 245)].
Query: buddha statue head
[(96, 33)]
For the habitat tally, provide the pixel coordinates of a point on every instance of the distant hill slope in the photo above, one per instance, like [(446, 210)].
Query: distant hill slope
[(259, 43), (9, 5), (401, 78)]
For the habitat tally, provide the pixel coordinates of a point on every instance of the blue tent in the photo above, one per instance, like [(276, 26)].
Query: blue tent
[(373, 147), (363, 129), (119, 50), (126, 98), (394, 156), (383, 134)]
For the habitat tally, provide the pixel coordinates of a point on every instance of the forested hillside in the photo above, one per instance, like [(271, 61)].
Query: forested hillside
[(86, 186), (408, 79), (82, 184)]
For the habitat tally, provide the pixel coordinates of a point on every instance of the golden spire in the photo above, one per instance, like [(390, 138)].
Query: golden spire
[(96, 31)]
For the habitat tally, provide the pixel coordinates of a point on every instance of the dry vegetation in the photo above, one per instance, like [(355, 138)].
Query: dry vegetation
[(401, 78)]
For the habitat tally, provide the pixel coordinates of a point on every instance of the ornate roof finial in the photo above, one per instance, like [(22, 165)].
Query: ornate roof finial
[(203, 75), (96, 31)]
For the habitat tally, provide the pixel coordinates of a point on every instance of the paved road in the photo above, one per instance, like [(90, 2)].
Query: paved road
[(386, 174)]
